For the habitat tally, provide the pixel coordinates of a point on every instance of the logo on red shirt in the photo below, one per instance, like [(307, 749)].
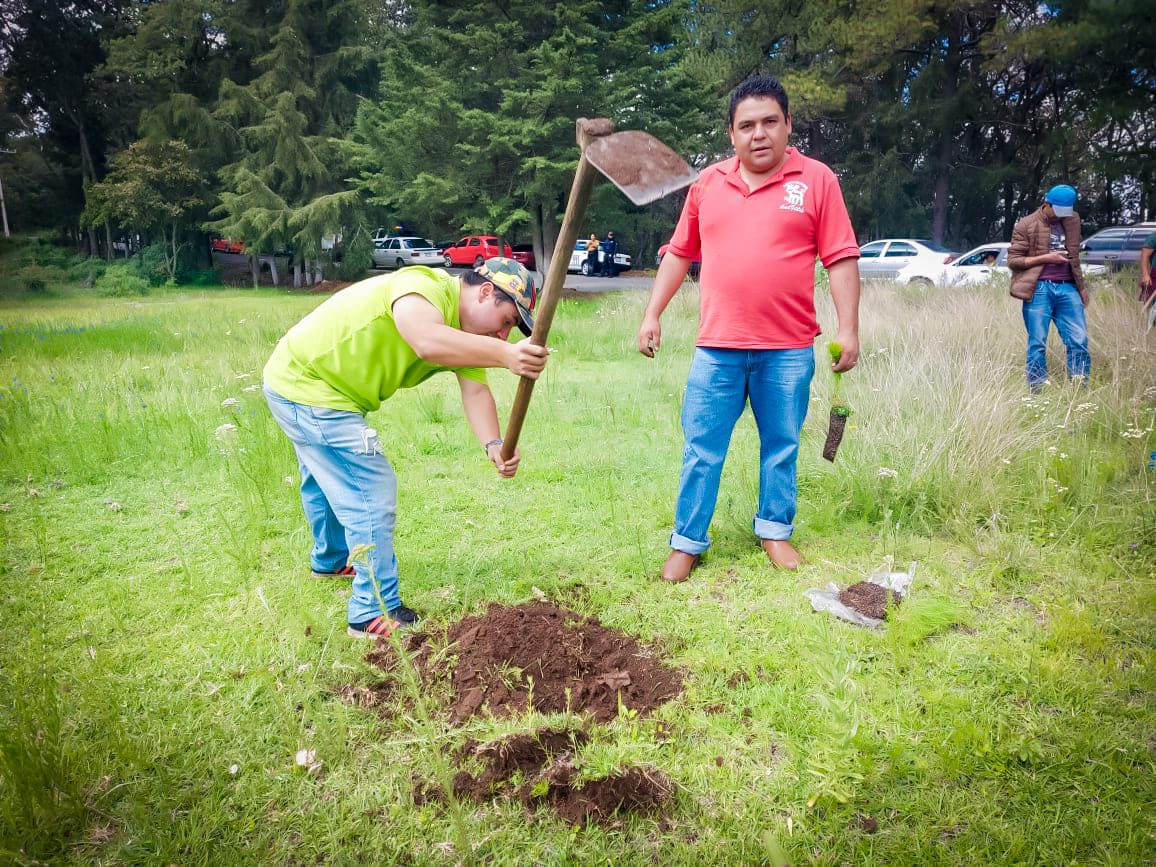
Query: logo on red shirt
[(793, 193)]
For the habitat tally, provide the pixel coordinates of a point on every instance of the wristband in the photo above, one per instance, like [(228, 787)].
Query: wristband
[(486, 447)]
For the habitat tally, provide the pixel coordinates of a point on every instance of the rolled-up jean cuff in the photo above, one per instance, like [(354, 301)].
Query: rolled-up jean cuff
[(687, 546), (772, 529)]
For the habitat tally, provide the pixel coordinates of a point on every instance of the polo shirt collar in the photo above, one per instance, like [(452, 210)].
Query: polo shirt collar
[(792, 165)]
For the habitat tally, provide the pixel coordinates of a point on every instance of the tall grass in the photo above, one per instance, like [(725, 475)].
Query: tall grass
[(159, 627)]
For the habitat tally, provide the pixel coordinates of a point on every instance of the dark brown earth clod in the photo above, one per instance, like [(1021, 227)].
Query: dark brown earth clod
[(869, 599), (541, 657), (835, 429), (632, 790)]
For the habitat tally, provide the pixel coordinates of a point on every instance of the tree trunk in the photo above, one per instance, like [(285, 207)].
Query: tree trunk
[(273, 270), (255, 270), (296, 275), (942, 196)]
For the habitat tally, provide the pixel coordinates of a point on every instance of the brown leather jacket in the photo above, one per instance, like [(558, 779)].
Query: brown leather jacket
[(1032, 237)]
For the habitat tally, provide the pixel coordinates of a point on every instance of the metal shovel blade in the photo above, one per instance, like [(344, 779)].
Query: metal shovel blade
[(640, 165)]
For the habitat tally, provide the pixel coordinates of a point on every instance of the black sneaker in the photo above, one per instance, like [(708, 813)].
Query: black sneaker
[(343, 572), (384, 625)]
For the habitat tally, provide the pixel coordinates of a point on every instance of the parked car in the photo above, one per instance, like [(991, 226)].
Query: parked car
[(885, 259), (226, 245), (524, 253), (399, 252), (695, 265), (472, 250), (975, 266), (578, 262), (1116, 246)]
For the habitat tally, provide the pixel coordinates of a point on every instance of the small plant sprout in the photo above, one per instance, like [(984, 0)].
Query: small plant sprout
[(839, 410)]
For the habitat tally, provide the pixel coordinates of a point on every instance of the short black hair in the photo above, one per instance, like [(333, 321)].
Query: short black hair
[(755, 86), (473, 278)]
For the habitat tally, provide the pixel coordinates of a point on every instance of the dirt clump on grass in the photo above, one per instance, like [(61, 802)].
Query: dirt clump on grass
[(869, 599), (538, 656), (538, 768)]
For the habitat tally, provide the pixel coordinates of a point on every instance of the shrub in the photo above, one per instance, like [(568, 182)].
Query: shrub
[(150, 264), (356, 258), (122, 280), (35, 279)]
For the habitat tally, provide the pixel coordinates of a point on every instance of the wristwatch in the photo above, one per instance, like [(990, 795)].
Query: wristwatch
[(495, 442)]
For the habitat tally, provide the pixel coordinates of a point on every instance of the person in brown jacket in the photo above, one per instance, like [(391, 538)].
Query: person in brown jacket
[(1044, 258)]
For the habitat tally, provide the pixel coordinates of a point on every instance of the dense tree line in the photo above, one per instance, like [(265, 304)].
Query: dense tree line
[(280, 121)]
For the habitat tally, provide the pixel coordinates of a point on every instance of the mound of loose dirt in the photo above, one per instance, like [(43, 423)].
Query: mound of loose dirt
[(537, 768), (541, 657), (869, 599)]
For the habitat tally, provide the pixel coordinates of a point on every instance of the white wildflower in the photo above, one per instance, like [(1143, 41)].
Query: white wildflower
[(1052, 450), (888, 473), (228, 402), (225, 430), (243, 376), (254, 387)]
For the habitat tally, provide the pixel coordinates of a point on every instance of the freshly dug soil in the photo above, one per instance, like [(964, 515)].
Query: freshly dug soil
[(869, 599), (538, 768), (542, 657)]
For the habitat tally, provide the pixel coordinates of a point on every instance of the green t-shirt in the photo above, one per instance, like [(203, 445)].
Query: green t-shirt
[(348, 354), (1150, 243)]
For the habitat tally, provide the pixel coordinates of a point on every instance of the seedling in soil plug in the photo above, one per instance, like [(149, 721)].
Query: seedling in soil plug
[(839, 410)]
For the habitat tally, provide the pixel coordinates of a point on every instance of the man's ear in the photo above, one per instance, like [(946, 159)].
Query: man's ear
[(485, 290)]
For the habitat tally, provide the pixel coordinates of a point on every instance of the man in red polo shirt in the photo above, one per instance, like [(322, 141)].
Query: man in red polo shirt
[(757, 221)]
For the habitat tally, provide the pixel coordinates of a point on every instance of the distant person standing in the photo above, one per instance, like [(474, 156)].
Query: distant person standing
[(1044, 258), (592, 246), (1147, 270), (609, 248)]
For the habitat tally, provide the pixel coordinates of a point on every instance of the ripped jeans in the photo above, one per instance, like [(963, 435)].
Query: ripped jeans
[(349, 493)]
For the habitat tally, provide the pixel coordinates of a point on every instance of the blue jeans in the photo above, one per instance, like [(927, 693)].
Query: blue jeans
[(350, 496), (777, 382), (1059, 302)]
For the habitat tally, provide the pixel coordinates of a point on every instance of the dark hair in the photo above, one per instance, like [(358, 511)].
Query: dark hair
[(753, 87), (473, 278)]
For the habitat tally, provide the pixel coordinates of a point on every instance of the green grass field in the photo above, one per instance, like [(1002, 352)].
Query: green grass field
[(164, 653)]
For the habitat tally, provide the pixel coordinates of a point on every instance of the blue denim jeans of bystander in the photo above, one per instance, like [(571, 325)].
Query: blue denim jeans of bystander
[(349, 493), (777, 382), (1058, 302)]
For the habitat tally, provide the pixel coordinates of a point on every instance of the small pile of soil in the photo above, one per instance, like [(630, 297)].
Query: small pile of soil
[(541, 657), (538, 768), (869, 599)]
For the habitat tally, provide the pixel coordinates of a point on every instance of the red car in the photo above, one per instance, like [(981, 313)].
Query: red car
[(226, 245), (472, 250), (524, 253)]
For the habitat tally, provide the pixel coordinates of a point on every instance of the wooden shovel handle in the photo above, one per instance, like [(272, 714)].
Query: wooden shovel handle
[(580, 191)]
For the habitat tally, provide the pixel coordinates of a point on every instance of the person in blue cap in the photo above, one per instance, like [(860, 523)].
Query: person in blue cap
[(1044, 259)]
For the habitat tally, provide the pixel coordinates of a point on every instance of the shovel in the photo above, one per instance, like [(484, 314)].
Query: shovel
[(638, 164)]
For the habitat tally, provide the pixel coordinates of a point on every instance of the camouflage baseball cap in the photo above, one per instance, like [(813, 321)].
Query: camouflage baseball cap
[(516, 283)]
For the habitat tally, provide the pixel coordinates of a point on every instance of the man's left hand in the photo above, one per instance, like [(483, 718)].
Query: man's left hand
[(850, 356), (506, 469)]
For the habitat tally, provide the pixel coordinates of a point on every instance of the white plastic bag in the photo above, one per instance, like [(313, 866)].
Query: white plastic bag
[(827, 599)]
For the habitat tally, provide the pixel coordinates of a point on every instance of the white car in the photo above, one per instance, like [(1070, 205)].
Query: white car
[(975, 266), (883, 260), (397, 252), (622, 261)]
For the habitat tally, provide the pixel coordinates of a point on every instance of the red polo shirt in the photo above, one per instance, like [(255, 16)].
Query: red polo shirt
[(758, 251)]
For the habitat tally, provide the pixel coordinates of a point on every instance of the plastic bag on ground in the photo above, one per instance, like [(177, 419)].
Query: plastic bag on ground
[(827, 599)]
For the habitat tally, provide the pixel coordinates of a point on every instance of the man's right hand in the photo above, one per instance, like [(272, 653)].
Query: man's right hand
[(526, 359), (649, 336), (1056, 257)]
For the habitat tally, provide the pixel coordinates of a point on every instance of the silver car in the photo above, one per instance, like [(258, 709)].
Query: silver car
[(885, 259), (397, 252), (1117, 246)]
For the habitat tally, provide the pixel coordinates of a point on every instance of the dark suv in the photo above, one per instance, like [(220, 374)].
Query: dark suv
[(1116, 246)]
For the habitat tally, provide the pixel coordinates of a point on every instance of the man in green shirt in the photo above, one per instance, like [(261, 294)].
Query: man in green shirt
[(351, 354)]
